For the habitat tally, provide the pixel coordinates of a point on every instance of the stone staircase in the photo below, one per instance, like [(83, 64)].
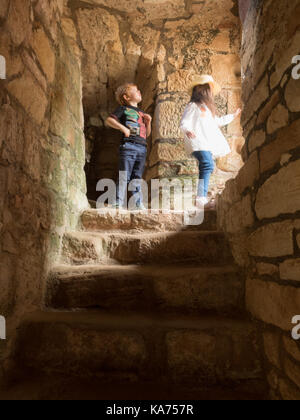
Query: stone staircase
[(142, 300)]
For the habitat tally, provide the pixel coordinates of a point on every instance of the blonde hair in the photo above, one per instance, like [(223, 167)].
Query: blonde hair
[(121, 91)]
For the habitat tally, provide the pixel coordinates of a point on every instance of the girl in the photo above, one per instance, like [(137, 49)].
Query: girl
[(201, 127)]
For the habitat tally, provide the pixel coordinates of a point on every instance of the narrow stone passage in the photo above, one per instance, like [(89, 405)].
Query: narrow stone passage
[(138, 305)]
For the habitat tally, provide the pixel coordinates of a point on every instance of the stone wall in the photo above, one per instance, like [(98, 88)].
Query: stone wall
[(157, 44), (42, 183), (260, 209)]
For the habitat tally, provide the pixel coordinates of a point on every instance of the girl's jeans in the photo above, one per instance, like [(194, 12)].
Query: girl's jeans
[(206, 168)]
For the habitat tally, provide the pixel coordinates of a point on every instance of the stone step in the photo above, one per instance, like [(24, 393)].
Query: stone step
[(106, 220), (200, 247), (178, 288), (140, 347), (61, 388)]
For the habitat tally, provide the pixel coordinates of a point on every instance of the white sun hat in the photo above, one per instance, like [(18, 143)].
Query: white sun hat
[(204, 79)]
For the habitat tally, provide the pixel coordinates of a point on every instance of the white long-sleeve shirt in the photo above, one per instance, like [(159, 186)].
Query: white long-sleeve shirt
[(209, 137)]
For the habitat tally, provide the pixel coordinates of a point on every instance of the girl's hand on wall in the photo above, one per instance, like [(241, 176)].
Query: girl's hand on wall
[(190, 135), (237, 113)]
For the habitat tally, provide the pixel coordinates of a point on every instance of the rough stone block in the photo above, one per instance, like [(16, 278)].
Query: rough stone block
[(226, 70), (287, 139), (4, 8), (167, 120), (221, 41), (180, 288), (280, 194), (282, 57), (210, 356), (292, 94), (84, 348), (292, 347), (273, 379), (272, 240), (230, 193), (279, 118), (18, 21), (256, 140), (179, 81), (248, 174), (272, 303), (240, 216), (167, 152), (292, 370), (288, 392), (271, 346), (290, 270), (267, 109), (230, 163), (11, 134), (173, 169), (267, 269), (45, 53), (259, 96), (203, 247), (30, 95), (98, 220)]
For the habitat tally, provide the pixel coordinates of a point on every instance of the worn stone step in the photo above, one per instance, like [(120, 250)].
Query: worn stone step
[(91, 247), (178, 288), (61, 388), (138, 347), (106, 220)]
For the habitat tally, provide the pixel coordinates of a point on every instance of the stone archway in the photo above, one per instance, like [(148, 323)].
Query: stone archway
[(156, 45), (113, 53)]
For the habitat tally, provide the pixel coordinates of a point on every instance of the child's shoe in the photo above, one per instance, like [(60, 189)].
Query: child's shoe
[(201, 202), (116, 206), (140, 207)]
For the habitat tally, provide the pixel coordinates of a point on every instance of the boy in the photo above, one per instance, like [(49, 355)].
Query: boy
[(136, 127)]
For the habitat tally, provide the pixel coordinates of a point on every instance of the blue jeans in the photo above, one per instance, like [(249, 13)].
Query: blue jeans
[(206, 168), (132, 161)]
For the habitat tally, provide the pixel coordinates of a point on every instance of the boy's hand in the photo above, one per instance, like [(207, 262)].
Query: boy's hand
[(147, 119), (126, 132)]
